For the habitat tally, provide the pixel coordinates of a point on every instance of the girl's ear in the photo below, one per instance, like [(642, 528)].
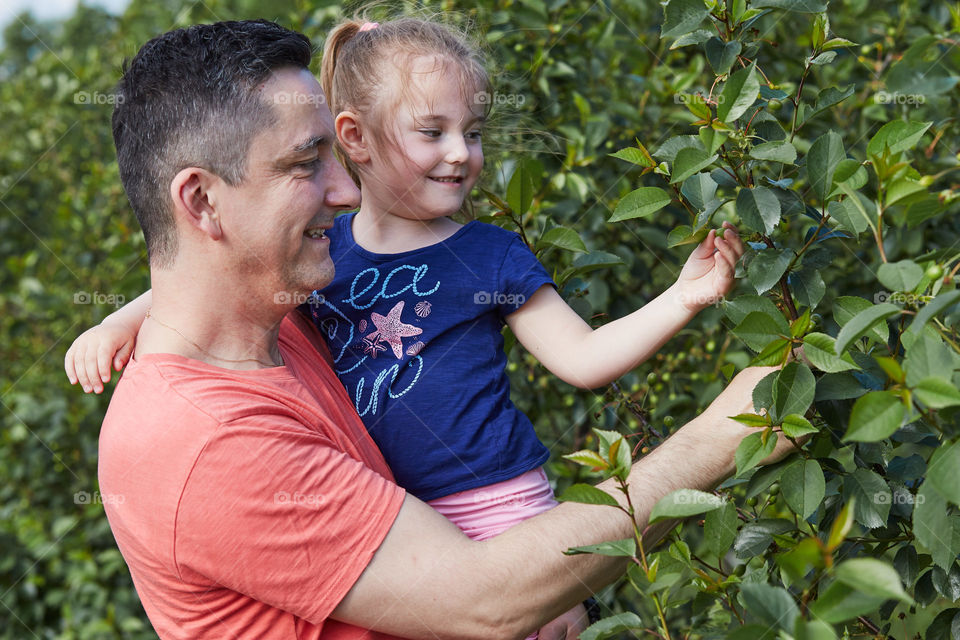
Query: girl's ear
[(350, 135), (193, 192)]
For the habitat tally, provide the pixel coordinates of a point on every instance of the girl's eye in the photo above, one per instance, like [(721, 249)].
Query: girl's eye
[(475, 135), (431, 133)]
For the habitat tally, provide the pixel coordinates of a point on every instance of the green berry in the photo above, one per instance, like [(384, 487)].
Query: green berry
[(711, 345), (934, 272), (651, 378), (740, 569), (668, 421), (774, 105), (752, 502), (666, 376), (774, 489)]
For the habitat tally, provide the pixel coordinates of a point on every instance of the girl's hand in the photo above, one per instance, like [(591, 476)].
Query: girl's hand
[(89, 357), (568, 626), (708, 274)]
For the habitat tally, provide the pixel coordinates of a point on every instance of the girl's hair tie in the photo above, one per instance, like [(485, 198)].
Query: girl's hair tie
[(369, 26)]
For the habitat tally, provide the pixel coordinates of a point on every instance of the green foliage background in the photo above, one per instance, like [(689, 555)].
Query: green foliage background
[(577, 81)]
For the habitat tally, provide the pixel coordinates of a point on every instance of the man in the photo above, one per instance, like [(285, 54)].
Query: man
[(254, 503)]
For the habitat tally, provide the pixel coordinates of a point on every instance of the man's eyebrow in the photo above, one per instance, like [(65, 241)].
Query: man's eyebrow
[(312, 143)]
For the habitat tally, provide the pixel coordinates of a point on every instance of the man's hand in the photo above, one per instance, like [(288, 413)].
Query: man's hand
[(568, 626), (89, 358), (708, 274)]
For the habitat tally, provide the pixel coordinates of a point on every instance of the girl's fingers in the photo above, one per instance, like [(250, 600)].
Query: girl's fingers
[(68, 366)]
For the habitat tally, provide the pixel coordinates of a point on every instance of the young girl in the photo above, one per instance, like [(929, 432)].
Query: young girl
[(413, 317)]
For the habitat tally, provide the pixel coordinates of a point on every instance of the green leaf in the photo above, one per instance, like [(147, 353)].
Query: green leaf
[(759, 208), (757, 330), (813, 630), (587, 494), (682, 16), (937, 393), (587, 458), (851, 212), (821, 351), (943, 472), (738, 308), (699, 189), (840, 602), (900, 276), (685, 235), (589, 262), (793, 390), (799, 6), (838, 386), (563, 238), (842, 525), (763, 392), (928, 356), (797, 426), (902, 189), (777, 151), (752, 420), (846, 307), (613, 626), (720, 528), (803, 487), (683, 503), (754, 537), (635, 156), (826, 99), (808, 286), (897, 136), (932, 308), (946, 626), (615, 548), (825, 154), (871, 497), (875, 416), (721, 55), (739, 93), (863, 322), (767, 267), (690, 161), (752, 450), (773, 354), (873, 577), (932, 525), (520, 190), (773, 606), (640, 203)]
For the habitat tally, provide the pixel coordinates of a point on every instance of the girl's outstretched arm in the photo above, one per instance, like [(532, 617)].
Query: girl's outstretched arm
[(589, 358), (112, 341)]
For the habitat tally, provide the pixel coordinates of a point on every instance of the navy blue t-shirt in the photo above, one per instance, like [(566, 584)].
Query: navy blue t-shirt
[(415, 339)]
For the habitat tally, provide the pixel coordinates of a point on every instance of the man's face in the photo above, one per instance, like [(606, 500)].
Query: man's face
[(274, 221)]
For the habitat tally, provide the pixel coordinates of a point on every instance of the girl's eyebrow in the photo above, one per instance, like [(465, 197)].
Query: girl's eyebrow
[(434, 117)]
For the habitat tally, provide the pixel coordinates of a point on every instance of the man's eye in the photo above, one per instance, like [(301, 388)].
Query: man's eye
[(312, 165)]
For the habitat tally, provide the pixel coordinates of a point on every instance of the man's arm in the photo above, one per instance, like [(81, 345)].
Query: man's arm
[(428, 580)]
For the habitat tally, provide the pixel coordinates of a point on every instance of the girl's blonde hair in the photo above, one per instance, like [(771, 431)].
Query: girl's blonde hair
[(357, 66)]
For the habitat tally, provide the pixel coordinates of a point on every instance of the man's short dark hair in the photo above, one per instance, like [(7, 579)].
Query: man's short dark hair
[(188, 99)]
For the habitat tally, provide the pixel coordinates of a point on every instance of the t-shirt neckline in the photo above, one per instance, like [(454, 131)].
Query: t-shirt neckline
[(384, 257)]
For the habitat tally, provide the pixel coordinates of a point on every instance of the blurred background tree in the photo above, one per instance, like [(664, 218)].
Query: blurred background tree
[(577, 80)]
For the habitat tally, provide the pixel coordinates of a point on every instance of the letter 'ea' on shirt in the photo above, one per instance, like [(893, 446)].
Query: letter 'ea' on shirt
[(246, 503)]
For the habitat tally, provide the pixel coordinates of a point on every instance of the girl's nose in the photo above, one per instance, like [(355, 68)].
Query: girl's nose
[(456, 151)]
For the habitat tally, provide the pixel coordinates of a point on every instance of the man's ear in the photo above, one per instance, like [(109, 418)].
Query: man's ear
[(192, 192), (350, 135)]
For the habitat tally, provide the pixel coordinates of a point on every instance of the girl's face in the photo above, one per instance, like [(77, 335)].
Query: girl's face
[(436, 153)]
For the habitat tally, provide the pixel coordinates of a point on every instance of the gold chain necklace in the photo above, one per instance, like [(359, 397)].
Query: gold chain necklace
[(207, 353)]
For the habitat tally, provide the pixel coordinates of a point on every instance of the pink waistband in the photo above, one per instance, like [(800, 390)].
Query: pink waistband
[(484, 512)]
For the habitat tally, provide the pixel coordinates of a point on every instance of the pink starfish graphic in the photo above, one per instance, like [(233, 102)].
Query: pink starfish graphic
[(390, 329)]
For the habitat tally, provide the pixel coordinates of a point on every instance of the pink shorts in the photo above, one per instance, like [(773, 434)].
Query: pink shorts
[(484, 512)]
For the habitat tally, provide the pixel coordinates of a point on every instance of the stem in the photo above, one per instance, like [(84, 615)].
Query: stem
[(796, 101), (784, 288)]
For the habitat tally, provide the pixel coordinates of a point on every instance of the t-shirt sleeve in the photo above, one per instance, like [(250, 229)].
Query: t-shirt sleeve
[(283, 517), (521, 274)]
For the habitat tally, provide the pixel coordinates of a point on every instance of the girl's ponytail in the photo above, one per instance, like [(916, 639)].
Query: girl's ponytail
[(332, 49)]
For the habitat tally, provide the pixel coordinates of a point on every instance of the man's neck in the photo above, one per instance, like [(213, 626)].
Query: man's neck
[(210, 324)]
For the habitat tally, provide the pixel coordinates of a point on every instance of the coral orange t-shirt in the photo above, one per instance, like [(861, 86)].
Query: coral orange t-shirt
[(246, 503)]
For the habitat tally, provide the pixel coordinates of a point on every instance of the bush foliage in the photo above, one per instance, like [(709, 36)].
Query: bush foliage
[(624, 132)]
